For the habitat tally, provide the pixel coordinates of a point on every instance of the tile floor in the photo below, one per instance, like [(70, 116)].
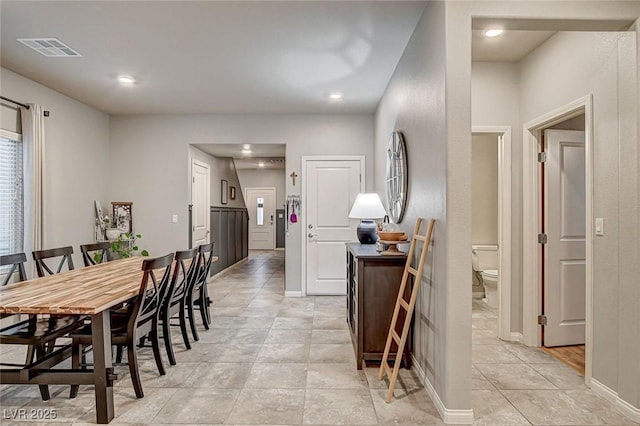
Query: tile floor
[(275, 360)]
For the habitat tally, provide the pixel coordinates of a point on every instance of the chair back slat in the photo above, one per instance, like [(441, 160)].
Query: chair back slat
[(205, 257), (183, 276), (101, 250), (41, 255), (146, 304), (17, 262)]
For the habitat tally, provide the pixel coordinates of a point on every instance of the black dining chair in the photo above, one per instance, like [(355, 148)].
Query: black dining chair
[(197, 295), (16, 263), (127, 329), (41, 256), (175, 301), (38, 334), (95, 253)]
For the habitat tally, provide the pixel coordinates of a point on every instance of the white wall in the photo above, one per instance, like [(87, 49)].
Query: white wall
[(415, 104), (154, 151), (265, 178), (484, 189), (77, 169)]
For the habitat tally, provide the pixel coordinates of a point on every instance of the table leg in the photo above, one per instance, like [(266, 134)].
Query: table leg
[(101, 335)]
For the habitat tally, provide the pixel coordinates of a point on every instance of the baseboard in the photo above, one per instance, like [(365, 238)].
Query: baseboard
[(515, 337), (612, 396), (292, 294), (459, 417)]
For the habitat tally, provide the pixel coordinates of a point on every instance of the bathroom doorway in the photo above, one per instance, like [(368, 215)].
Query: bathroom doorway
[(492, 225)]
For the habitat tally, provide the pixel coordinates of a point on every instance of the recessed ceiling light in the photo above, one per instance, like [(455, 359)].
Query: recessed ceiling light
[(335, 96), (246, 151), (261, 164), (246, 146), (494, 32), (126, 80)]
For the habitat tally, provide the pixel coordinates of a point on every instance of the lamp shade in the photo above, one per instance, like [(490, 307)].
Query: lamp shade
[(367, 206)]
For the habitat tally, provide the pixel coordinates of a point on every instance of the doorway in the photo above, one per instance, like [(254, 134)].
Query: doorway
[(543, 266), (261, 204), (563, 224), (330, 186), (503, 136)]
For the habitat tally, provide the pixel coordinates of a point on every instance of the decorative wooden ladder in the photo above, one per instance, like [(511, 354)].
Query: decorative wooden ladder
[(409, 307)]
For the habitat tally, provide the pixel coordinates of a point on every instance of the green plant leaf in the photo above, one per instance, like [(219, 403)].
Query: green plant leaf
[(138, 236), (134, 248), (144, 253)]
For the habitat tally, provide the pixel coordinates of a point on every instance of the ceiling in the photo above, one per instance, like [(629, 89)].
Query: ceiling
[(213, 57), (511, 46), (225, 56)]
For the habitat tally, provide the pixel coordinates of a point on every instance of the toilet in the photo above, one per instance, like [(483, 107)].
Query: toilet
[(484, 260)]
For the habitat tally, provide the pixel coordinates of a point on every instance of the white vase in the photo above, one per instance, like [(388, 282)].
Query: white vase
[(113, 233)]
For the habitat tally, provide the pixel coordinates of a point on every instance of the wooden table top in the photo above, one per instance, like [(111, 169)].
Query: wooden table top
[(82, 291)]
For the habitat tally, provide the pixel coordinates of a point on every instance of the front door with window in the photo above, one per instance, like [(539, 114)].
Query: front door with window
[(261, 204)]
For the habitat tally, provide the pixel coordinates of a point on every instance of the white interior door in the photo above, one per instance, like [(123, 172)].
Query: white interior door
[(564, 275), (201, 201), (331, 189), (261, 203)]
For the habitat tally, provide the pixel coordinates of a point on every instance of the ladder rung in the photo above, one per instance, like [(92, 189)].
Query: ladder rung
[(412, 271), (395, 336), (404, 304), (420, 238)]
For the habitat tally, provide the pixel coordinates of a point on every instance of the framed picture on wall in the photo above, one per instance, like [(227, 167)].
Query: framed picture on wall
[(232, 192), (224, 191), (122, 217)]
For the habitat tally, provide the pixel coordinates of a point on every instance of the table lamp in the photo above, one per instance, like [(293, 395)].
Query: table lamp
[(367, 207)]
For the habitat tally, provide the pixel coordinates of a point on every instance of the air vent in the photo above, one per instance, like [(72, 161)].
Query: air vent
[(276, 161), (50, 47)]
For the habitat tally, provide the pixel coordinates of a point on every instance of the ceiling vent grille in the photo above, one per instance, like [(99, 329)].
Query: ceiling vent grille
[(50, 47)]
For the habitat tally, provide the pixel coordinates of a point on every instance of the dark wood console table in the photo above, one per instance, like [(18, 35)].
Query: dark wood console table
[(373, 282)]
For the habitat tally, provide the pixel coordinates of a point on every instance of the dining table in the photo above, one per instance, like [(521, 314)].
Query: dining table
[(90, 292)]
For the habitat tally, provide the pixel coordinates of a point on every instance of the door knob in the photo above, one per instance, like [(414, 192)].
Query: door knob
[(312, 235)]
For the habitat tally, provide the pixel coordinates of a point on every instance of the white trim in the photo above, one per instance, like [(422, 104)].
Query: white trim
[(303, 214), (516, 337), (504, 226), (449, 416), (8, 134), (531, 291), (612, 396), (292, 293)]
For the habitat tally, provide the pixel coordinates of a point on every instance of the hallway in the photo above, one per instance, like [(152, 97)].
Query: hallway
[(273, 360)]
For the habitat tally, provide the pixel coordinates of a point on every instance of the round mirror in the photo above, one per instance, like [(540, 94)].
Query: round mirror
[(397, 177)]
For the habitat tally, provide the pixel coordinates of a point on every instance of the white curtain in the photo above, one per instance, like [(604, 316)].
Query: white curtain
[(34, 185)]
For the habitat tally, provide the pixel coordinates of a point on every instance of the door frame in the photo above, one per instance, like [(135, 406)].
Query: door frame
[(504, 228), (275, 195), (531, 197), (303, 214), (208, 197)]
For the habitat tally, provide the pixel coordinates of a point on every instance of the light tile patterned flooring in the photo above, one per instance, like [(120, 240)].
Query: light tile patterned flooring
[(275, 360)]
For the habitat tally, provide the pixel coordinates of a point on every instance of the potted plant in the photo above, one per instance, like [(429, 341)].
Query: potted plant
[(125, 246)]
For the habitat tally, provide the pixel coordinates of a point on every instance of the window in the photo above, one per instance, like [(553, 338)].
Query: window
[(11, 193), (260, 212)]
